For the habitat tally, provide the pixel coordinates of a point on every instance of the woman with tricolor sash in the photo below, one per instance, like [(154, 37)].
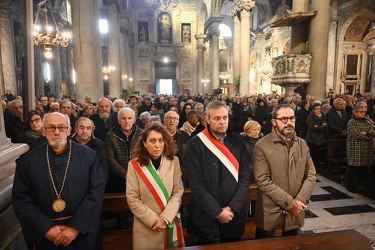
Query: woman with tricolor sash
[(154, 190)]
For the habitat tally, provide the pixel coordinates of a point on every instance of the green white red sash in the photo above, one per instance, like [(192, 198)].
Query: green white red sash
[(221, 152), (148, 174)]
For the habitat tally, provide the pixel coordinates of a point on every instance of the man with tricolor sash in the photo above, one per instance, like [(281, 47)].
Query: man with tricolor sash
[(218, 172)]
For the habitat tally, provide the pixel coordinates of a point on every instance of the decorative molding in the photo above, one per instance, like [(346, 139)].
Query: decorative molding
[(291, 70)]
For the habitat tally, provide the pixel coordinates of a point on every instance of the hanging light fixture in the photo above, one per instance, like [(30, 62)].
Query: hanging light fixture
[(44, 34), (107, 69)]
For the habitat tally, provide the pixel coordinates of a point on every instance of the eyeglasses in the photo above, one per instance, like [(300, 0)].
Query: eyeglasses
[(285, 119), (171, 118), (35, 120), (53, 129)]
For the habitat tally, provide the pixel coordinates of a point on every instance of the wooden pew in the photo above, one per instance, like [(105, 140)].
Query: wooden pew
[(122, 239), (343, 240)]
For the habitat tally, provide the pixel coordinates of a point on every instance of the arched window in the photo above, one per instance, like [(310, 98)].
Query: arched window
[(225, 30)]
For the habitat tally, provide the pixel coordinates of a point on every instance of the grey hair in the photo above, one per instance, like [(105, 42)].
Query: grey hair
[(82, 118), (216, 105), (125, 110), (48, 114)]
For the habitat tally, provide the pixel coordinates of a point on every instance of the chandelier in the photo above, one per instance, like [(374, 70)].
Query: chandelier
[(107, 69), (205, 81), (44, 33), (224, 77)]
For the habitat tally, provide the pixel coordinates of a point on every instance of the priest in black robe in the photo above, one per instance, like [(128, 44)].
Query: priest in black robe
[(58, 191)]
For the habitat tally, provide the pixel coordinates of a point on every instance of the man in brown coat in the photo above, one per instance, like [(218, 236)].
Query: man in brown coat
[(285, 175)]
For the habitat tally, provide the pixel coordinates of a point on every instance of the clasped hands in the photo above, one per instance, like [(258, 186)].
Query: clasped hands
[(226, 215), (61, 235), (159, 224), (296, 209)]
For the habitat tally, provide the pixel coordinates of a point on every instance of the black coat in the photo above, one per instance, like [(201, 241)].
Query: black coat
[(301, 122), (213, 187), (336, 123), (101, 127), (317, 132)]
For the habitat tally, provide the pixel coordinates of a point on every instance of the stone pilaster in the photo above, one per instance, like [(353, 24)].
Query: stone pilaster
[(6, 46), (246, 8), (69, 68), (39, 79), (57, 73), (200, 64), (372, 58), (318, 46), (125, 58), (114, 79), (214, 63), (332, 46), (236, 41), (86, 48)]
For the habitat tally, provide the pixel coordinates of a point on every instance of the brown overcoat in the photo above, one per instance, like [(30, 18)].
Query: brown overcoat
[(144, 207), (283, 176)]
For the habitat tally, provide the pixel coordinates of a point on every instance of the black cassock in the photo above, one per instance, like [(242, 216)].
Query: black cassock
[(33, 195)]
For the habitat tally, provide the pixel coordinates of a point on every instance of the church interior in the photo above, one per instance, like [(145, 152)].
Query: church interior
[(97, 48)]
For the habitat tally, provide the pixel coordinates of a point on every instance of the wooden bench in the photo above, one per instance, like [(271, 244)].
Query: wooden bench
[(343, 240), (122, 238), (336, 162)]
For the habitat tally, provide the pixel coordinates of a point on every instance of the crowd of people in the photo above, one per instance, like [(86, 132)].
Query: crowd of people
[(153, 146)]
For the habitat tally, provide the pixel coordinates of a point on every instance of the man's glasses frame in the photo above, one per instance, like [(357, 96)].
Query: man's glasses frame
[(285, 119), (53, 129)]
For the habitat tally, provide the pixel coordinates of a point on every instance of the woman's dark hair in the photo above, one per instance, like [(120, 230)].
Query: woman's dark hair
[(183, 111), (303, 103), (30, 114), (140, 152)]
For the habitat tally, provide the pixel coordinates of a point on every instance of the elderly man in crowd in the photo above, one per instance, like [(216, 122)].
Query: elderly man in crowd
[(58, 191), (181, 138), (337, 120), (67, 108), (120, 142), (85, 135), (105, 118), (14, 125)]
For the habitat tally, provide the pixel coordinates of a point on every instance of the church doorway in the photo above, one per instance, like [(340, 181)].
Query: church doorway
[(165, 78)]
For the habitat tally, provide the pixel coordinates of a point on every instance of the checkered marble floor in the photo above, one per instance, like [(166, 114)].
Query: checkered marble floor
[(333, 208)]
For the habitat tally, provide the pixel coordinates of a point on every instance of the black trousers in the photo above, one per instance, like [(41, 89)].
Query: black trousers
[(355, 177)]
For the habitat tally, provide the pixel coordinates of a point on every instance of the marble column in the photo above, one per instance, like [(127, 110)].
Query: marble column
[(6, 46), (86, 48), (69, 69), (299, 35), (200, 62), (331, 62), (39, 79), (236, 42), (124, 54), (245, 87), (258, 50), (318, 47), (372, 72), (114, 79), (57, 72), (64, 70), (214, 63)]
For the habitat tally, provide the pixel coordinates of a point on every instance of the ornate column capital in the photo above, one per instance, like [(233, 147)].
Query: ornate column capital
[(112, 4)]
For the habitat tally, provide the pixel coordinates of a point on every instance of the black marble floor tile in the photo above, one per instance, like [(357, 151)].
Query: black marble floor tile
[(356, 209), (317, 180), (308, 232), (309, 214), (334, 194)]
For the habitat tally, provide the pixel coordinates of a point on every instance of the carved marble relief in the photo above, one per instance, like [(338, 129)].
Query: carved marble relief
[(144, 69), (186, 69)]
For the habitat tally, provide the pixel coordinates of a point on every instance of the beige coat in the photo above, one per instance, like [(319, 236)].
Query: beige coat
[(145, 209), (282, 176)]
